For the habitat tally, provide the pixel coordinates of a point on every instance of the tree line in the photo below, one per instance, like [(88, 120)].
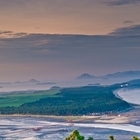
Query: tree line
[(73, 101), (75, 135)]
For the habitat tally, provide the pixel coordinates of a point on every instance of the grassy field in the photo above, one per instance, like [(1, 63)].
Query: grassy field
[(68, 101), (17, 99)]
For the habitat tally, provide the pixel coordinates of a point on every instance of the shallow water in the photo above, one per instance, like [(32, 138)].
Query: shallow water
[(29, 128), (130, 96)]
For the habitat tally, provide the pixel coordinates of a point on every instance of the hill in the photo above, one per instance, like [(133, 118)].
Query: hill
[(125, 74), (85, 76), (30, 81)]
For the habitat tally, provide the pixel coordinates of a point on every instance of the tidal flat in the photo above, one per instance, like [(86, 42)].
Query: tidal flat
[(57, 128)]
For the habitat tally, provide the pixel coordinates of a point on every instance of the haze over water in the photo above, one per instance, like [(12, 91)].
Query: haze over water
[(67, 83)]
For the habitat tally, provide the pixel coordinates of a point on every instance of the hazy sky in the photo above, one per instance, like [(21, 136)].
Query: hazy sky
[(61, 39)]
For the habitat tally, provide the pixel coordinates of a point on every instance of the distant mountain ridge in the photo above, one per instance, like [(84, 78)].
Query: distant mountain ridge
[(132, 82), (125, 74), (85, 76), (30, 81)]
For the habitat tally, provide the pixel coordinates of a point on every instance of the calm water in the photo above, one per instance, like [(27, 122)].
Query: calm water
[(130, 96)]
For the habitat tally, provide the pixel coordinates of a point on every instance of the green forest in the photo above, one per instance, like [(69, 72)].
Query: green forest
[(65, 101)]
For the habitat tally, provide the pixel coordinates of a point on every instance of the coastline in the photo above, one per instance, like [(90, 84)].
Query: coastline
[(43, 128), (129, 95), (122, 118), (42, 122), (126, 118), (120, 125), (115, 92)]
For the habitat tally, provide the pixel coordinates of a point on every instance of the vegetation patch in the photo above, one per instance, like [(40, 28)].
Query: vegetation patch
[(17, 99), (68, 101)]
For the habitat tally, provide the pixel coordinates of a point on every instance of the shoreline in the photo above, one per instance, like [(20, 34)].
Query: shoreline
[(129, 98), (41, 128), (114, 126), (115, 92), (129, 117), (121, 118)]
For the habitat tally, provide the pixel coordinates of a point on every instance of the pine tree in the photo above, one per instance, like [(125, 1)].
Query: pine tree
[(76, 136), (135, 138), (112, 137)]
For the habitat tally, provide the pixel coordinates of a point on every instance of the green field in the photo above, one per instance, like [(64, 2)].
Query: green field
[(17, 99), (64, 101)]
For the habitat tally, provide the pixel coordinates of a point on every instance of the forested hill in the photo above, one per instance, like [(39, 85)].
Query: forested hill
[(73, 101)]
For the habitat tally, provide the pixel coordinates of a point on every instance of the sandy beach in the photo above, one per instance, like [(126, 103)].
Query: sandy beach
[(127, 117)]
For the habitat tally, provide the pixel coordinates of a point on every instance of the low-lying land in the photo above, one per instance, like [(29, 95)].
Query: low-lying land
[(88, 100), (130, 117), (15, 99), (49, 128), (94, 110)]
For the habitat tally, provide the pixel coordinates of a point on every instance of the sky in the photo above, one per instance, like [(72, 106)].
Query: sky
[(61, 39)]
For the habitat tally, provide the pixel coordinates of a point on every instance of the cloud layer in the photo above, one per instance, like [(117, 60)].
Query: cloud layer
[(64, 56), (122, 2)]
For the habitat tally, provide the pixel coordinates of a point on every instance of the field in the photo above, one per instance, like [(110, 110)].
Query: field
[(65, 101), (17, 99)]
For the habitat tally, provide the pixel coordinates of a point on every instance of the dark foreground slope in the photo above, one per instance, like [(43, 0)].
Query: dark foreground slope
[(73, 101)]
